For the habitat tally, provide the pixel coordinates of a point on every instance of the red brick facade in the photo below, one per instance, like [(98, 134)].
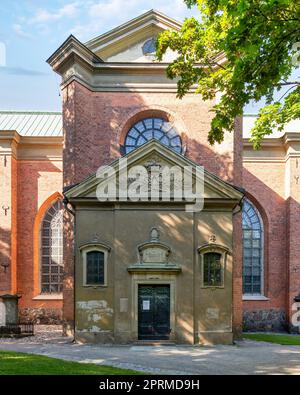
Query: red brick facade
[(28, 187), (96, 118)]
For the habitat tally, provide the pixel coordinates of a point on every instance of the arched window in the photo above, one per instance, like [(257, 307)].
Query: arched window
[(153, 128), (252, 250), (95, 261), (52, 249), (213, 259)]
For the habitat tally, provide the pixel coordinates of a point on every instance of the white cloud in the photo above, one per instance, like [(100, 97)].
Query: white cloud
[(88, 18), (70, 10), (18, 30), (114, 9)]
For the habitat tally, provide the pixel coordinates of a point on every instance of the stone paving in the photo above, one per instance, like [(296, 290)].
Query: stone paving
[(246, 357)]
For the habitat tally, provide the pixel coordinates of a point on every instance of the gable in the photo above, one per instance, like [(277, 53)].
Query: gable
[(153, 153), (125, 42)]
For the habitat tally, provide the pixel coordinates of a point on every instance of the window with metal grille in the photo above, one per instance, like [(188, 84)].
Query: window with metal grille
[(152, 128), (212, 270), (52, 250), (252, 250), (95, 272)]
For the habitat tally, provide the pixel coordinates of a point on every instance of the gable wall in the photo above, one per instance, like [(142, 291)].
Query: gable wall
[(95, 124)]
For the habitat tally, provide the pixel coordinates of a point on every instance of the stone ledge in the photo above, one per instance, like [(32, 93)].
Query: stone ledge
[(49, 297), (255, 298), (154, 268)]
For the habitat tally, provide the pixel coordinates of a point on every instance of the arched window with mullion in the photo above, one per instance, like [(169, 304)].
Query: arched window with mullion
[(253, 269), (152, 128), (52, 249)]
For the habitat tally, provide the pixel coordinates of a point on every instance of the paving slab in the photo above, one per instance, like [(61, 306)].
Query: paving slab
[(245, 357)]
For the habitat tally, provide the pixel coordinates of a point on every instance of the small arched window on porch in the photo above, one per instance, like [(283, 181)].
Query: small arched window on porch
[(212, 269), (252, 250), (95, 273), (52, 249), (94, 260), (213, 264)]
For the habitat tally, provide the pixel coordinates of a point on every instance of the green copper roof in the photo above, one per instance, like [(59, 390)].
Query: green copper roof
[(32, 123)]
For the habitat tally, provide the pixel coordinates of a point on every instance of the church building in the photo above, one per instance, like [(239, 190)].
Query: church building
[(126, 271)]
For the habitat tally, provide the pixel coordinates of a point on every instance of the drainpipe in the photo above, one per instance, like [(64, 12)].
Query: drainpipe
[(67, 205)]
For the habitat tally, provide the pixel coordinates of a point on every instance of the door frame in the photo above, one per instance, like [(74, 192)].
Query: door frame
[(171, 282)]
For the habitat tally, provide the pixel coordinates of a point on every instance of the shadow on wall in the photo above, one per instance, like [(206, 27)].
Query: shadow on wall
[(5, 269), (271, 314), (93, 133), (29, 190)]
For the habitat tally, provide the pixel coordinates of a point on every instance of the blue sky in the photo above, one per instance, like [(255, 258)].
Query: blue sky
[(31, 30)]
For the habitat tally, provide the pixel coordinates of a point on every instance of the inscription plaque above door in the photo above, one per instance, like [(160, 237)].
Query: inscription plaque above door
[(154, 251)]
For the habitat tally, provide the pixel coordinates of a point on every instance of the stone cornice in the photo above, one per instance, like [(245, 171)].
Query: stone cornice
[(289, 144), (151, 17), (70, 47), (31, 148), (284, 141), (10, 135), (125, 87)]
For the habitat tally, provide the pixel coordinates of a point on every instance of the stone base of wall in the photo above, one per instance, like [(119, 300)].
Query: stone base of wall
[(41, 316), (264, 320)]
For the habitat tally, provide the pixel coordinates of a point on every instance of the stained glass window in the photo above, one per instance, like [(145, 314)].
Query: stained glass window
[(153, 128), (252, 250), (52, 249)]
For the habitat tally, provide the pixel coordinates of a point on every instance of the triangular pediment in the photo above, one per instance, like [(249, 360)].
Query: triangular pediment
[(153, 153), (125, 42)]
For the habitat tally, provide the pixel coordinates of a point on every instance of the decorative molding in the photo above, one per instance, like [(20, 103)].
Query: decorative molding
[(155, 268), (211, 247), (228, 193), (93, 243), (153, 251), (141, 22), (218, 248)]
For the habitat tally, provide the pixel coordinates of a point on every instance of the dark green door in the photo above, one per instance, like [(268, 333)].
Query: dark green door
[(154, 312)]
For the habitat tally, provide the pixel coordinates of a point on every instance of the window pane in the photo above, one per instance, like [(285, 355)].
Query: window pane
[(212, 271), (252, 243), (95, 268), (51, 249), (150, 128)]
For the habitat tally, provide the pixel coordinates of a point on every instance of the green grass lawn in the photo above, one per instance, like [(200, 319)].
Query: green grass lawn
[(27, 364), (286, 340)]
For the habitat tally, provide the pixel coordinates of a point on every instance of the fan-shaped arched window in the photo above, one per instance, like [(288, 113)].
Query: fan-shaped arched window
[(252, 250), (153, 128), (52, 249)]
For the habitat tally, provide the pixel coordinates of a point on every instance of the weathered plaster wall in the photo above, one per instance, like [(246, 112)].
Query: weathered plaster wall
[(99, 315)]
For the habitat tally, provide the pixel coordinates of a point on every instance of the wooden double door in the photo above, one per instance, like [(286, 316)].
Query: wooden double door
[(154, 312)]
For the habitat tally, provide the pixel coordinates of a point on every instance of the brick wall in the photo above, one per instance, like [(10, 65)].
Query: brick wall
[(37, 181), (95, 124), (265, 184)]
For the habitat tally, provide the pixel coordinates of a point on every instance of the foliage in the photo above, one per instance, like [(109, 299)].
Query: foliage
[(286, 340), (243, 50)]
